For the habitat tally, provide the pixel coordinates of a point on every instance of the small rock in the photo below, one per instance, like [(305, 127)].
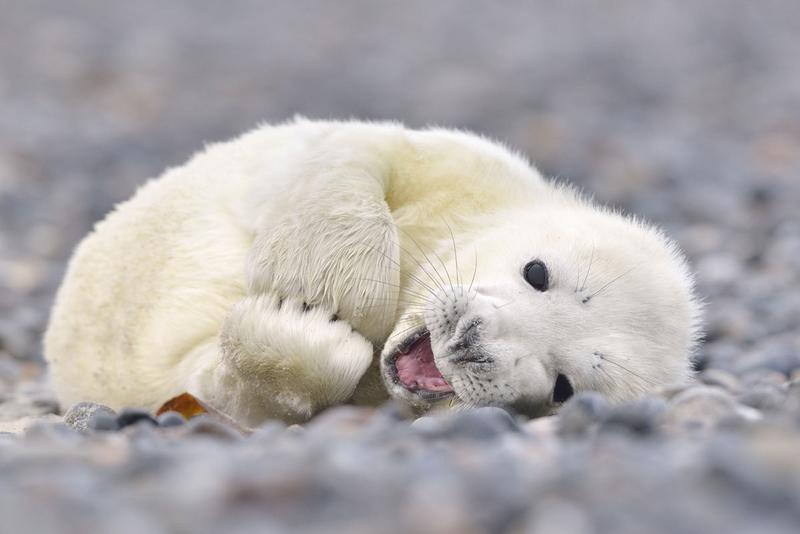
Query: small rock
[(702, 408), (543, 428), (480, 424), (170, 419), (427, 425), (765, 397), (132, 416), (103, 422), (762, 375), (640, 418), (208, 426), (51, 431), (295, 430), (396, 410), (340, 421), (80, 416), (720, 378), (581, 412), (267, 432), (792, 403), (487, 421)]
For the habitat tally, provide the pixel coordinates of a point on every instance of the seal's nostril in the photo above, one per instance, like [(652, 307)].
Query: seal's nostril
[(562, 390)]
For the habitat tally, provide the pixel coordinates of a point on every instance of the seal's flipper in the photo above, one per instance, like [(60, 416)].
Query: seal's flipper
[(282, 359)]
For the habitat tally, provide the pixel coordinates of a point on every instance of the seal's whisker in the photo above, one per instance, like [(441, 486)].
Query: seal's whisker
[(591, 259), (612, 281), (416, 243), (504, 305), (637, 375), (416, 260), (407, 290), (449, 281), (399, 300), (474, 272), (421, 266), (455, 255), (399, 267), (407, 307)]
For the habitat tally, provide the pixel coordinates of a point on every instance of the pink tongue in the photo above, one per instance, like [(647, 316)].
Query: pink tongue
[(416, 369)]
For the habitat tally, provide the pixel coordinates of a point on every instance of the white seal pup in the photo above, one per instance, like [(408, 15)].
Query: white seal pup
[(314, 263)]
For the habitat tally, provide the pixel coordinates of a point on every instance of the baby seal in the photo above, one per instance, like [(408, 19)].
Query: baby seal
[(314, 263)]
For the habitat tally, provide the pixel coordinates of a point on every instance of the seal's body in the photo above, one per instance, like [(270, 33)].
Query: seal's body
[(315, 263)]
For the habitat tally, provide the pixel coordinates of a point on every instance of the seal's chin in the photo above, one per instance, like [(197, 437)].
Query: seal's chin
[(414, 368)]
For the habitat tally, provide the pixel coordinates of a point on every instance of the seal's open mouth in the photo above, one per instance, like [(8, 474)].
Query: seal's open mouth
[(415, 368)]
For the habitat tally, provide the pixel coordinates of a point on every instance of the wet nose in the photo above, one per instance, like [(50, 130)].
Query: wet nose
[(468, 335), (466, 348)]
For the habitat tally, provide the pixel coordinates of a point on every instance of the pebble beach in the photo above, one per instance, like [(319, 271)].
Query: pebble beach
[(687, 115)]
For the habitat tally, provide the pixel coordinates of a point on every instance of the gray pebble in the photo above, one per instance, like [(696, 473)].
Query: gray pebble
[(700, 408), (205, 425), (340, 421), (766, 397), (133, 416), (170, 419), (640, 418), (267, 432), (89, 87), (580, 412), (720, 378), (50, 432), (428, 425), (295, 430), (484, 423), (103, 422), (792, 403), (81, 415)]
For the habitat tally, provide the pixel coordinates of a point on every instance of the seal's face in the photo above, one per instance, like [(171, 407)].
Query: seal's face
[(542, 308)]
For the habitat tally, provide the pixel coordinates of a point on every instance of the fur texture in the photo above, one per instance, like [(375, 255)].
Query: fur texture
[(276, 274)]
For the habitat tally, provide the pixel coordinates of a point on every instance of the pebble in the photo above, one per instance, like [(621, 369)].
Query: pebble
[(83, 416), (103, 422), (701, 409), (638, 418), (205, 425), (484, 423), (132, 416), (720, 378), (629, 112), (170, 419), (766, 397), (792, 403), (581, 412), (341, 422)]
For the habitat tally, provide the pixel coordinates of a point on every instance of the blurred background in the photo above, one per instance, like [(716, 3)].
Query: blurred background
[(687, 113)]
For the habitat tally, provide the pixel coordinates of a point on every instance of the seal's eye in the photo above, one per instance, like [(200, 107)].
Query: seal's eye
[(536, 275)]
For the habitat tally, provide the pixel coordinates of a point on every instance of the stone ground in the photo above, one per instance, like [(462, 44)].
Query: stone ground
[(686, 113)]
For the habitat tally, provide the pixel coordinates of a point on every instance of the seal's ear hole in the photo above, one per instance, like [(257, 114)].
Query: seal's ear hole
[(536, 275), (562, 390)]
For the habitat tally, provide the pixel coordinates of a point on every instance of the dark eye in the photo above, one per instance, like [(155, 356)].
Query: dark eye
[(536, 275)]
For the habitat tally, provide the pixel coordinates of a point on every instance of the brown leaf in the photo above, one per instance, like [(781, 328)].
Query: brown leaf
[(190, 406), (185, 404)]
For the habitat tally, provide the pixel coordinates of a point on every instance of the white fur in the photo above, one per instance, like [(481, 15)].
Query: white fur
[(198, 282)]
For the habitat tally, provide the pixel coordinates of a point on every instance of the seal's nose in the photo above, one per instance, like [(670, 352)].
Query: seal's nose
[(562, 390), (466, 345)]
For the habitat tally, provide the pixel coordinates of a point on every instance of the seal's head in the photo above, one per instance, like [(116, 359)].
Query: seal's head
[(539, 303)]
